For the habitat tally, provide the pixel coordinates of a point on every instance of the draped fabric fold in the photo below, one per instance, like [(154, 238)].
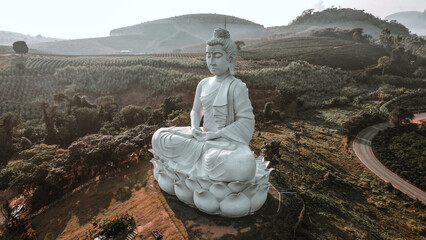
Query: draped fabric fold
[(226, 109)]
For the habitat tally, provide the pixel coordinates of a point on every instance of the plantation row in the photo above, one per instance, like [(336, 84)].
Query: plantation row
[(50, 64), (25, 89), (311, 84), (19, 93), (12, 72), (109, 80)]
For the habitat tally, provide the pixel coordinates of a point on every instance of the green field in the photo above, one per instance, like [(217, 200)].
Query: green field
[(330, 52)]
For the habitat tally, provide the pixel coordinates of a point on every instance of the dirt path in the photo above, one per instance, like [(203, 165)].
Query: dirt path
[(363, 150)]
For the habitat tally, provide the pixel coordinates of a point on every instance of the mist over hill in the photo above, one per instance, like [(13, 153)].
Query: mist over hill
[(344, 18), (8, 38), (159, 36), (188, 33), (199, 26), (415, 21)]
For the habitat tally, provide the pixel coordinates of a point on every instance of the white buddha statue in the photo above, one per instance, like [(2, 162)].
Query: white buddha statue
[(206, 166)]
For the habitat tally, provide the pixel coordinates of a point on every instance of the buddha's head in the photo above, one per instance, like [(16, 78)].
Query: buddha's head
[(221, 53)]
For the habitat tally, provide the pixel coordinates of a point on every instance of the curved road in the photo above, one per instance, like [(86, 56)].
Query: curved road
[(363, 150)]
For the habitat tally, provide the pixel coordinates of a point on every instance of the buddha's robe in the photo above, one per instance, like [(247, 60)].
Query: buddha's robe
[(226, 109)]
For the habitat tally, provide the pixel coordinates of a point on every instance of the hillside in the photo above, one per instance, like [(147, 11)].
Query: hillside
[(415, 21), (188, 33), (159, 36), (8, 38), (332, 52), (198, 25), (343, 199), (344, 18)]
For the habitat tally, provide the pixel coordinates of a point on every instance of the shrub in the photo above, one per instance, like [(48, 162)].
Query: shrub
[(115, 228), (132, 115), (365, 119)]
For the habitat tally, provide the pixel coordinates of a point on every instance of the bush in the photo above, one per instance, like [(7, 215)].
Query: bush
[(132, 115), (171, 104), (115, 228), (402, 150), (365, 119)]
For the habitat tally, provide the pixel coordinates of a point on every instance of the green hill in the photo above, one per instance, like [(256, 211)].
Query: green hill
[(198, 26), (344, 18), (331, 52)]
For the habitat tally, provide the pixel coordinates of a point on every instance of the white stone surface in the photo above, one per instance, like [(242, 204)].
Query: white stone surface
[(212, 168)]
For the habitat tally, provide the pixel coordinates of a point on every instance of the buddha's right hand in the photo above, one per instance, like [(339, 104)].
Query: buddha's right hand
[(198, 133)]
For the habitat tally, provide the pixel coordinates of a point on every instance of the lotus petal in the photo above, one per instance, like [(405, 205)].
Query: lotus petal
[(166, 183), (205, 183), (205, 201), (251, 190), (259, 198), (192, 184), (264, 165), (235, 205), (171, 174), (182, 176), (219, 190), (236, 187), (184, 193), (262, 177)]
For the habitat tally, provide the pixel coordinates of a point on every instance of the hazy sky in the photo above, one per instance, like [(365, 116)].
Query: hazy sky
[(95, 18)]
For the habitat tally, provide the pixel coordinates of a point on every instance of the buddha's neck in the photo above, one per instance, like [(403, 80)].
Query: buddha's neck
[(222, 77)]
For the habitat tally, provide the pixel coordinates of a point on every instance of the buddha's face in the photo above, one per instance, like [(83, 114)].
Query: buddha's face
[(217, 60)]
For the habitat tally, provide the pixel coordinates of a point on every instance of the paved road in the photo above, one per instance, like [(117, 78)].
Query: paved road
[(362, 148)]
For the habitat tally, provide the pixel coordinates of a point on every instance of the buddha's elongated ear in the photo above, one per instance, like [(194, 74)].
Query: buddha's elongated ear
[(232, 61), (231, 58)]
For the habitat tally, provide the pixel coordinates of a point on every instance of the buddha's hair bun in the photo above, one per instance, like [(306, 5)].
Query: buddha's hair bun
[(221, 33)]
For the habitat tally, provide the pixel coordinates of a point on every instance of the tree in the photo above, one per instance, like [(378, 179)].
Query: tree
[(384, 62), (386, 39), (285, 95), (20, 47), (8, 122), (132, 115), (267, 110), (171, 104), (240, 44), (108, 108), (400, 116)]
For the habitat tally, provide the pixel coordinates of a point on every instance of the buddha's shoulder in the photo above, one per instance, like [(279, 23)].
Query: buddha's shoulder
[(203, 81), (239, 85)]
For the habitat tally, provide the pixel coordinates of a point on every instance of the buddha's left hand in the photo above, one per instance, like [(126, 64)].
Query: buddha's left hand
[(205, 136)]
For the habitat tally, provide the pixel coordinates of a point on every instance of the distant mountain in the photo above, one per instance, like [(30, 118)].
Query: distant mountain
[(415, 21), (159, 36), (188, 33), (8, 38), (199, 26), (345, 18)]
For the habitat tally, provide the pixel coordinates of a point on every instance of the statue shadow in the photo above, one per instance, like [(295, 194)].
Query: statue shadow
[(201, 225)]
